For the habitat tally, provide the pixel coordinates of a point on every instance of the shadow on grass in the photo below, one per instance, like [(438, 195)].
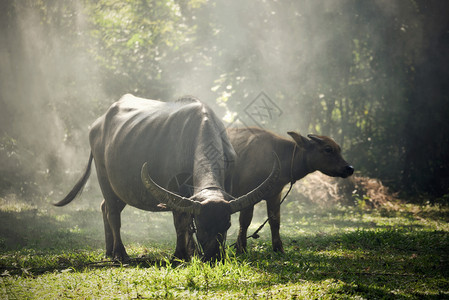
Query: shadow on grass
[(68, 228), (361, 257), (78, 261), (35, 241), (380, 263)]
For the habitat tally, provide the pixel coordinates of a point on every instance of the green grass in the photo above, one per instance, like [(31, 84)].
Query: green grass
[(334, 253)]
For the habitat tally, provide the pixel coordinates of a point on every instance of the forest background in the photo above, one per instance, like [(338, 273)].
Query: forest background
[(374, 75)]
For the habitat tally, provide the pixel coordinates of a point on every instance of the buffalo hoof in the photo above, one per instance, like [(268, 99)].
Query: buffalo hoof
[(278, 248), (121, 256), (181, 256), (240, 249)]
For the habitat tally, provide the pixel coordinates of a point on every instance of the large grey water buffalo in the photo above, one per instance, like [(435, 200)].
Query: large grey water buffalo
[(298, 157), (139, 145)]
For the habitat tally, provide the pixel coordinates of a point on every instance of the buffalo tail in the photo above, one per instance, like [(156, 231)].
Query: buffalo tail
[(78, 188)]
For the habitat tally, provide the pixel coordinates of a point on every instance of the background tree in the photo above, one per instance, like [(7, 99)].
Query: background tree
[(371, 74)]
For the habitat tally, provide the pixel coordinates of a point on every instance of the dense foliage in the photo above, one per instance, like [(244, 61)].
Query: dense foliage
[(372, 74)]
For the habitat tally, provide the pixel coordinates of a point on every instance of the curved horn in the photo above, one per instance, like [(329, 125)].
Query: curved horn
[(256, 195), (174, 201)]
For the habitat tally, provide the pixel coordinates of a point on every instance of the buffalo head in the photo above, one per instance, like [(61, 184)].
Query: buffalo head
[(210, 210), (323, 154)]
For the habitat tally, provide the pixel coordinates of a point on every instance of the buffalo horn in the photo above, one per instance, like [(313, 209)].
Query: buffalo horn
[(175, 202), (315, 138), (257, 194)]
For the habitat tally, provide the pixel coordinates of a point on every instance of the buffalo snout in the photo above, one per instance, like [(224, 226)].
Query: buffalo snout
[(348, 171)]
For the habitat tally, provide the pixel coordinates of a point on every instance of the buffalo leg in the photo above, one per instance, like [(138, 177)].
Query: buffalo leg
[(184, 246), (274, 218), (111, 208), (109, 238), (113, 211), (245, 219)]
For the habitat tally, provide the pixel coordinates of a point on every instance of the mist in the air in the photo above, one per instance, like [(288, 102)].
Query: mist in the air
[(347, 69)]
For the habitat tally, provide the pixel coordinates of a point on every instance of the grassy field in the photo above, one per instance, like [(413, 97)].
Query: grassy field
[(332, 253)]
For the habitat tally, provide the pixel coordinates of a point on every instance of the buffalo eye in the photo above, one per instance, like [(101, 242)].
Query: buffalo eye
[(328, 149)]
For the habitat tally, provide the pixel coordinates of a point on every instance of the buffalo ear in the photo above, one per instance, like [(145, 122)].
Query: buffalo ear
[(301, 141)]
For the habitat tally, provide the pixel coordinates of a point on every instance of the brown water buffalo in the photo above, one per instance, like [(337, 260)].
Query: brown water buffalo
[(298, 157), (139, 145)]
